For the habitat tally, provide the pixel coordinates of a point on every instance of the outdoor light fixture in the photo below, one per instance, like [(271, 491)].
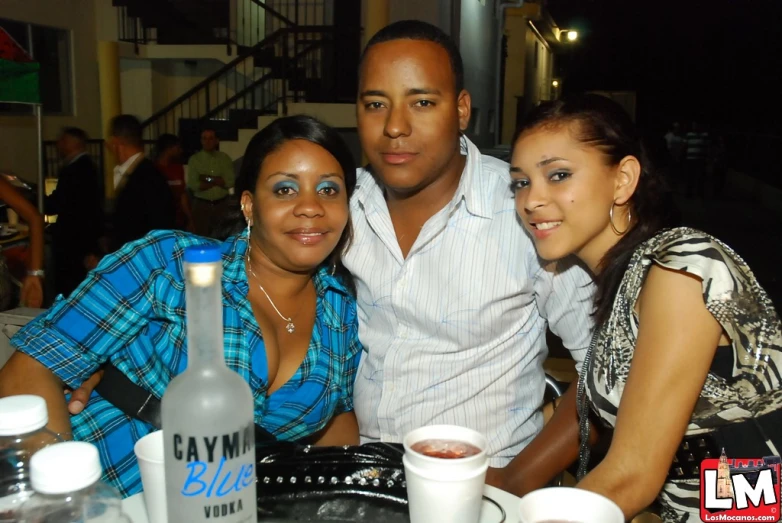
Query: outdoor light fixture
[(555, 83), (567, 35)]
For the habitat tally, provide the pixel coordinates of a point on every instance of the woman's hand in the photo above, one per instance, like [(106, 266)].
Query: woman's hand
[(32, 292), (81, 396), (495, 477)]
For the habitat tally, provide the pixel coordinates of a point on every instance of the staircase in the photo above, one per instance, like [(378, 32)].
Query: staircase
[(182, 22), (288, 51)]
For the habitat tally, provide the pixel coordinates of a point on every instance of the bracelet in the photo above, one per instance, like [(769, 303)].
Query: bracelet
[(38, 272)]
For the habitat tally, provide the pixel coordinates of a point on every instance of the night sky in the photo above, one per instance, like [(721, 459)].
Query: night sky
[(715, 61)]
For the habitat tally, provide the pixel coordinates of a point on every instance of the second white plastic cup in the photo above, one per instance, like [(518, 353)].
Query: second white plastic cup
[(149, 452), (568, 504)]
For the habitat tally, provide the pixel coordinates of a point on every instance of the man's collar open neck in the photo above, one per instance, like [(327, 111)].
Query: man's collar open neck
[(75, 155), (128, 153)]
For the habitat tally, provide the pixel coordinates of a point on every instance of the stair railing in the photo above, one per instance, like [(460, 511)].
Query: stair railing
[(242, 83)]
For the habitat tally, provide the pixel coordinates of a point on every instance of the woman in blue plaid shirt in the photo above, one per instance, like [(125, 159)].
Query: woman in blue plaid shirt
[(288, 308)]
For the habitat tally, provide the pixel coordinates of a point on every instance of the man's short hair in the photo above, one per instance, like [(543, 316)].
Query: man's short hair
[(418, 30), (127, 128), (164, 142), (78, 134), (209, 128)]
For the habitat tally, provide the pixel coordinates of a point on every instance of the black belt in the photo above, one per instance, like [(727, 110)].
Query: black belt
[(136, 402), (744, 439)]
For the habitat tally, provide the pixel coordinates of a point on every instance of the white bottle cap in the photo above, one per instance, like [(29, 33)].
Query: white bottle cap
[(65, 467), (22, 414)]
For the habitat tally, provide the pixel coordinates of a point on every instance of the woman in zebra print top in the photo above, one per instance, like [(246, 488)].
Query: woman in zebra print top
[(686, 341)]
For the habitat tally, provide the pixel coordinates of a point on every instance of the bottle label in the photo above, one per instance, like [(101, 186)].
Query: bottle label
[(217, 469)]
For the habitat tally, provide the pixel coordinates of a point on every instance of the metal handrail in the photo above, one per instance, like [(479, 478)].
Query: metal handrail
[(274, 13), (213, 77), (255, 85), (239, 83)]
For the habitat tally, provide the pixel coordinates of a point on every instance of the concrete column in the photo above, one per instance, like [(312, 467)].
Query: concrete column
[(110, 101), (375, 18)]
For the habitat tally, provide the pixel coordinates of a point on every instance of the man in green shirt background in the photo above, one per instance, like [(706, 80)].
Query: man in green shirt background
[(210, 176)]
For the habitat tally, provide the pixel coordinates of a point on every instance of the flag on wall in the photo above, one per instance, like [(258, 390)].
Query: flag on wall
[(18, 73)]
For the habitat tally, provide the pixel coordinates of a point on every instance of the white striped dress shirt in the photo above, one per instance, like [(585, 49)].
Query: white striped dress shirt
[(455, 332)]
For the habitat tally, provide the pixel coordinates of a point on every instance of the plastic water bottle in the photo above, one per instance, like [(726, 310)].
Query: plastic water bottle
[(23, 432), (66, 480), (207, 412)]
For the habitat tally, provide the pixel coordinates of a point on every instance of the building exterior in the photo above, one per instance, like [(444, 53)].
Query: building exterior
[(240, 64)]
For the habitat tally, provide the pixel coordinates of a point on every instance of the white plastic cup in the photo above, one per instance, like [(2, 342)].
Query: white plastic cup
[(445, 490), (568, 504), (149, 452)]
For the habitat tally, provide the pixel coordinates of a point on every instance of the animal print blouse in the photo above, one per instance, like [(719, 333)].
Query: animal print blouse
[(736, 300)]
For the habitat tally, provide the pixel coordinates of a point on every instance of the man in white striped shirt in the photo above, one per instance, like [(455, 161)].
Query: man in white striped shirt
[(453, 301)]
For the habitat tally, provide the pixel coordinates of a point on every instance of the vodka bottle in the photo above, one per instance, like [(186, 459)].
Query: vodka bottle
[(207, 413)]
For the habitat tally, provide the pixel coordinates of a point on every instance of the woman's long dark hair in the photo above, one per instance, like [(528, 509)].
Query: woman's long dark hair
[(599, 122), (271, 138)]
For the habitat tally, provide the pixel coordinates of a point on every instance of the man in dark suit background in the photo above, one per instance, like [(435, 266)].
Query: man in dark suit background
[(78, 204), (143, 200)]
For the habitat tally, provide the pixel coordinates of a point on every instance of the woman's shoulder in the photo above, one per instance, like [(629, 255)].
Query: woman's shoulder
[(684, 246), (699, 254), (161, 248), (168, 240)]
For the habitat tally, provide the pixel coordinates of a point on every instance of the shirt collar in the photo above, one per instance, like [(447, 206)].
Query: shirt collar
[(76, 157), (120, 170), (471, 188)]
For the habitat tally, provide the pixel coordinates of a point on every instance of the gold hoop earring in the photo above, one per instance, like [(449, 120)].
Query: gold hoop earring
[(611, 220)]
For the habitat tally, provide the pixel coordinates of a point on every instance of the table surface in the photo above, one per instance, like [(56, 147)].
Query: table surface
[(21, 236), (135, 510)]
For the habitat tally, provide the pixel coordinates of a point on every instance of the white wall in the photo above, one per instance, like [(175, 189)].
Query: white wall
[(479, 47), (136, 87), (538, 71), (18, 139)]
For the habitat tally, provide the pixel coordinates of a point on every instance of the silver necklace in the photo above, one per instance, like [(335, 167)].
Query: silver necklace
[(290, 327)]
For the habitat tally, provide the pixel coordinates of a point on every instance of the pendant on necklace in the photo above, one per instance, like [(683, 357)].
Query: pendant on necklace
[(290, 327)]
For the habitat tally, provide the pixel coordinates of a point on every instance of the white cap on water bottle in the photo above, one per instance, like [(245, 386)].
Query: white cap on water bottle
[(65, 467), (22, 414)]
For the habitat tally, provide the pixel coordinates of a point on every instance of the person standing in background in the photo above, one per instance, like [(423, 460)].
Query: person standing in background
[(210, 176), (168, 160), (143, 201), (697, 147), (78, 204)]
